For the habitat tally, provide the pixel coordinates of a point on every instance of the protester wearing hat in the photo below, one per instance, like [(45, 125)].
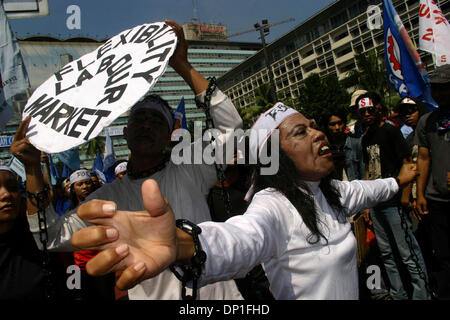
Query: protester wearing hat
[(352, 148), (148, 134), (92, 288), (295, 225), (433, 183), (80, 186), (120, 170), (385, 151)]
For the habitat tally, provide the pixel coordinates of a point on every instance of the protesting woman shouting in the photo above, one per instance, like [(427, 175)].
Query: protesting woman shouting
[(295, 226)]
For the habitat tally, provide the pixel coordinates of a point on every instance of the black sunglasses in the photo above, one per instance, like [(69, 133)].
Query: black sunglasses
[(407, 111), (371, 110)]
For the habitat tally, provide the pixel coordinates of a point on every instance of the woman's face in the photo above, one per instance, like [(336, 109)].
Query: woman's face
[(307, 147), (82, 189), (10, 197), (336, 125)]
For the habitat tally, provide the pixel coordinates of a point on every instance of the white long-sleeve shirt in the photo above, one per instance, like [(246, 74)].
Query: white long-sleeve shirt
[(185, 186), (272, 232)]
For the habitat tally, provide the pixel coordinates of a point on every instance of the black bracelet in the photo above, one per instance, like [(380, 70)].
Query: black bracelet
[(398, 181), (193, 271)]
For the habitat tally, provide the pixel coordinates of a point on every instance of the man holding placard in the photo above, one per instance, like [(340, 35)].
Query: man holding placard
[(148, 135)]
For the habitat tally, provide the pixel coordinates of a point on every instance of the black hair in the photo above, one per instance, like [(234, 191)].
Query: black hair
[(325, 118), (298, 193)]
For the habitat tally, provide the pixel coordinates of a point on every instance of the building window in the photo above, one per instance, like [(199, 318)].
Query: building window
[(310, 67), (368, 44)]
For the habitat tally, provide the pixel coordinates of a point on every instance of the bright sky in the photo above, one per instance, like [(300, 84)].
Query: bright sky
[(105, 18)]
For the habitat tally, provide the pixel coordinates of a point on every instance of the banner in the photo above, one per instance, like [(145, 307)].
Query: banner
[(86, 95), (18, 168), (112, 131), (434, 32), (13, 76), (406, 71), (6, 141)]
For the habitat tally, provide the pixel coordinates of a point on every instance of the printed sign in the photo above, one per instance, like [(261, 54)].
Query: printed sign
[(86, 95), (6, 141), (434, 31)]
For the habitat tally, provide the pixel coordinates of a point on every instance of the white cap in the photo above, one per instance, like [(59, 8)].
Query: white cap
[(79, 175), (120, 167), (266, 125), (407, 101)]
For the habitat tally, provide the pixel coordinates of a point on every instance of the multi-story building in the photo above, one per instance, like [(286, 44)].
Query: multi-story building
[(326, 43), (212, 57)]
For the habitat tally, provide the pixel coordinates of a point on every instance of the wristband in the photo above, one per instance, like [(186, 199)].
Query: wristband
[(398, 181)]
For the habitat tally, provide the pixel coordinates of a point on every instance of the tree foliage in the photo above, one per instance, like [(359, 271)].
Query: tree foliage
[(320, 95), (93, 146), (263, 100)]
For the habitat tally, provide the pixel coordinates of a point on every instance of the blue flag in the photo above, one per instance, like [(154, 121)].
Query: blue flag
[(98, 163), (70, 158), (66, 172), (406, 71), (98, 168), (180, 116), (109, 159), (53, 170)]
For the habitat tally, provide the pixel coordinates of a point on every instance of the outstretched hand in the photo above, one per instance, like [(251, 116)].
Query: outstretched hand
[(141, 244)]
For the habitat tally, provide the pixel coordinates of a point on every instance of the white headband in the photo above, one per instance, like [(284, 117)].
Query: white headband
[(121, 167), (79, 175), (266, 125), (154, 104), (6, 168), (366, 103)]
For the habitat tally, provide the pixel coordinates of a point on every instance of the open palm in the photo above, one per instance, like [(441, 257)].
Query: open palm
[(141, 244)]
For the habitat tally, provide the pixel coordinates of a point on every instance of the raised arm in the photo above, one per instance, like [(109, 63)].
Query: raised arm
[(23, 150), (59, 229), (179, 62)]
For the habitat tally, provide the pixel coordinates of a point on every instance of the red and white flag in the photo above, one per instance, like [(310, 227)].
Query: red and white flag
[(434, 31)]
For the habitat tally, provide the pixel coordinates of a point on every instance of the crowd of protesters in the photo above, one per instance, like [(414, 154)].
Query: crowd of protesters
[(335, 165)]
